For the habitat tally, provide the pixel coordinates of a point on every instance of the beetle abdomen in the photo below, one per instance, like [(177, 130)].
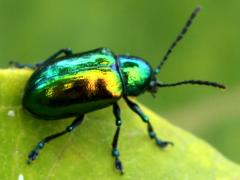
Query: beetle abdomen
[(63, 90)]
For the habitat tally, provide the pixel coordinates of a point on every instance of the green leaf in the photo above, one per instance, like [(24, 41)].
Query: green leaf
[(86, 152)]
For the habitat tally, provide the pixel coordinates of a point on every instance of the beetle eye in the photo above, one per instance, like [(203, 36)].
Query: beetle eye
[(152, 88)]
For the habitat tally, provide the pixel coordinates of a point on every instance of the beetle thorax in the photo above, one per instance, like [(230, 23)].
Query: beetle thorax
[(136, 74)]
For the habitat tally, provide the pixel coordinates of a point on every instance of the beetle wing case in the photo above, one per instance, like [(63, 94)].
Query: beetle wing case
[(73, 85)]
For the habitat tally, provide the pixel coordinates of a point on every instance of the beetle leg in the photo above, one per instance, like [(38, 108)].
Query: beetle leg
[(33, 154), (66, 51), (145, 119), (21, 66), (115, 151)]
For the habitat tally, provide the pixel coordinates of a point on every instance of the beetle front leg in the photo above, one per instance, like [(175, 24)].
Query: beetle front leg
[(145, 119), (34, 153), (115, 151)]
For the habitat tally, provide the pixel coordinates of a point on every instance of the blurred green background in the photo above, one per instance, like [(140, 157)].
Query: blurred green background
[(33, 30)]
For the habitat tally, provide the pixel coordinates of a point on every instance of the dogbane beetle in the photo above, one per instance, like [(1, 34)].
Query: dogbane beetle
[(71, 85)]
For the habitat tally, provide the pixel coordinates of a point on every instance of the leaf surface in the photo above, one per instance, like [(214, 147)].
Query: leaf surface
[(86, 152)]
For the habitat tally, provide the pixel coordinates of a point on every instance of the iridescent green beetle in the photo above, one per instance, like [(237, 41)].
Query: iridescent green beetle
[(74, 84)]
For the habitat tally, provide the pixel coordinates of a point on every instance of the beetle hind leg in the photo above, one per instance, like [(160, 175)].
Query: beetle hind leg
[(18, 65), (115, 151), (150, 129), (34, 153), (65, 51)]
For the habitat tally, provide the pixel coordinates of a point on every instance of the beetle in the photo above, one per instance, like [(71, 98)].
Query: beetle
[(71, 85)]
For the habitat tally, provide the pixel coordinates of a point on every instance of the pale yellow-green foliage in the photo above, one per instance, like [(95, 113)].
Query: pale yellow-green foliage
[(86, 152)]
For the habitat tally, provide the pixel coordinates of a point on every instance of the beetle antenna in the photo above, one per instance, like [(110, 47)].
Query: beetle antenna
[(179, 37), (196, 82)]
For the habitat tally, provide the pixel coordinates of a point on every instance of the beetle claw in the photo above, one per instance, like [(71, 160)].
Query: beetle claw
[(118, 165), (32, 156), (164, 144)]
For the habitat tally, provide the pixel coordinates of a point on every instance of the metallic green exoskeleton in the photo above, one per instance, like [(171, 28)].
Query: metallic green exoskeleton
[(71, 85)]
